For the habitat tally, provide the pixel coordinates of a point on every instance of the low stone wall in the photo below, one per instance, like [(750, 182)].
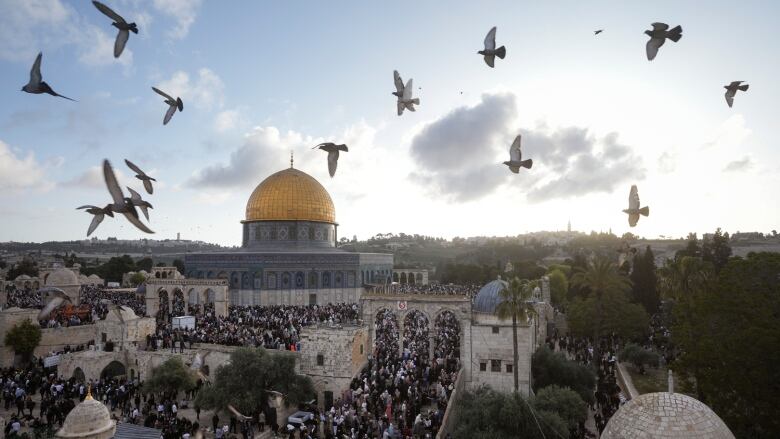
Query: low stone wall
[(625, 382), (451, 415)]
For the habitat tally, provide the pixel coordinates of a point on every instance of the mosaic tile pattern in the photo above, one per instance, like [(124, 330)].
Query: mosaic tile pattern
[(290, 195), (665, 415)]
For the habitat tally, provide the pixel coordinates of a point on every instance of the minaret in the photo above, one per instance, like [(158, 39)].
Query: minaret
[(671, 381), (291, 159), (568, 227)]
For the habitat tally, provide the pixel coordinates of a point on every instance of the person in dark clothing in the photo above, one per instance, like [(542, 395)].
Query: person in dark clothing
[(215, 421), (232, 424)]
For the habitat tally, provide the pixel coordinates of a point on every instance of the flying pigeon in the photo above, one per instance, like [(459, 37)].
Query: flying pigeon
[(515, 158), (333, 154), (490, 53), (55, 298), (626, 253), (119, 23), (37, 85), (634, 210), (138, 202), (125, 206), (731, 91), (173, 104), (404, 94), (658, 37), (141, 175), (98, 215), (596, 32)]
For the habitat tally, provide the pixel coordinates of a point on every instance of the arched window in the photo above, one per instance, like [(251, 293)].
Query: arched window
[(299, 278), (326, 280), (313, 280)]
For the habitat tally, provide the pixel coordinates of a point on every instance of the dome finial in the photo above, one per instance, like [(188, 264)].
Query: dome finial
[(89, 392), (291, 159)]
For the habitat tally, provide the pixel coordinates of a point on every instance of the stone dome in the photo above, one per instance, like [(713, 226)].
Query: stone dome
[(62, 277), (23, 277), (88, 420), (290, 195), (487, 299), (666, 415)]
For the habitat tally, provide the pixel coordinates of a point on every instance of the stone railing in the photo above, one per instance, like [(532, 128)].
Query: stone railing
[(450, 414), (625, 381)]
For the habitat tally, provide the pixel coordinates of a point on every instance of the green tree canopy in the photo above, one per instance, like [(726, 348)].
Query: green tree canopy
[(639, 356), (717, 252), (137, 279), (559, 286), (170, 378), (644, 282), (23, 337), (550, 368), (25, 266), (563, 401), (729, 336), (179, 264), (145, 264), (487, 414), (246, 380)]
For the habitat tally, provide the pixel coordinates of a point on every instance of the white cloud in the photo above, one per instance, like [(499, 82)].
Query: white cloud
[(183, 11), (227, 120), (743, 164), (92, 178), (18, 172), (205, 92), (98, 49)]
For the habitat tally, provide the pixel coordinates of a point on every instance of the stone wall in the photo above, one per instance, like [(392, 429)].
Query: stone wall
[(332, 356), (488, 346)]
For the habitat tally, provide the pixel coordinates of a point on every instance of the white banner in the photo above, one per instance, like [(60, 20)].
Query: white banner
[(52, 361)]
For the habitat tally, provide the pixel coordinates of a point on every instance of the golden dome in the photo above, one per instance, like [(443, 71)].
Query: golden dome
[(290, 195)]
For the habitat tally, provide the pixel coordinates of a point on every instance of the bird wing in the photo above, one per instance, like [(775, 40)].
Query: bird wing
[(169, 114), (490, 39), (35, 71), (399, 83), (162, 93), (333, 161), (53, 304), (87, 207), (735, 84), (135, 196), (108, 12), (121, 40), (96, 220), (660, 26), (652, 47), (490, 60), (633, 198), (730, 93), (633, 218), (400, 106), (514, 150), (137, 222), (148, 186), (113, 185), (408, 90), (139, 202), (135, 168)]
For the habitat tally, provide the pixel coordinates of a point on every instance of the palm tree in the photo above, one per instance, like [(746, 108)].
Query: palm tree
[(516, 304), (601, 278), (683, 277)]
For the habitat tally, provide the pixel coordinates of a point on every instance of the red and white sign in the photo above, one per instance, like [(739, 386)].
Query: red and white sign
[(401, 305)]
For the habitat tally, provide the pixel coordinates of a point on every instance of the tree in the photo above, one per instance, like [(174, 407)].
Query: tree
[(25, 266), (23, 337), (606, 306), (564, 402), (137, 279), (692, 248), (179, 264), (170, 378), (550, 368), (644, 281), (639, 356), (487, 414), (246, 380), (729, 335), (559, 285), (718, 251), (114, 269), (145, 264), (516, 303)]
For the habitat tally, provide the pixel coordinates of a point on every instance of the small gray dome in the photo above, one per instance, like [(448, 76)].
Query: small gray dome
[(141, 289), (487, 299)]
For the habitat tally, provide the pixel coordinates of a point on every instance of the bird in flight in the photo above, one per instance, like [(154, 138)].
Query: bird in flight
[(596, 32), (123, 205), (333, 154), (658, 37), (120, 23), (490, 52), (173, 105), (634, 210), (99, 213), (404, 94), (139, 202), (55, 298), (515, 157), (141, 175), (731, 91), (37, 85)]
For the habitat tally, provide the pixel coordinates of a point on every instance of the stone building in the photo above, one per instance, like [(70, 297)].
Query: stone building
[(289, 253), (332, 356), (88, 420)]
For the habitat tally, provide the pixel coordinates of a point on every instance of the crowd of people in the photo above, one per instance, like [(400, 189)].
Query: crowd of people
[(272, 327), (470, 290), (22, 297)]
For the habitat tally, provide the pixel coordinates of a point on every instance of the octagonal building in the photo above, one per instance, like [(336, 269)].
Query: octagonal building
[(289, 253)]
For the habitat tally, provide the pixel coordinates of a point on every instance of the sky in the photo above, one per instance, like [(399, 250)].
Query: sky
[(260, 80)]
